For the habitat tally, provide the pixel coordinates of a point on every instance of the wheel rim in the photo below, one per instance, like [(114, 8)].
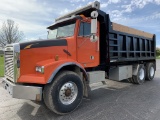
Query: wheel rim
[(151, 71), (141, 74), (68, 93)]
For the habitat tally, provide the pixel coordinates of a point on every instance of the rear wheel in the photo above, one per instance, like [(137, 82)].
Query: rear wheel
[(130, 80), (140, 77), (150, 71), (65, 93)]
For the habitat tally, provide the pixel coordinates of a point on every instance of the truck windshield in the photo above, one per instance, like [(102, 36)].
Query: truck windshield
[(64, 30)]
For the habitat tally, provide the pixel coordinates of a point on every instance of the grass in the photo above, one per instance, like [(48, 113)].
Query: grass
[(1, 66), (158, 57)]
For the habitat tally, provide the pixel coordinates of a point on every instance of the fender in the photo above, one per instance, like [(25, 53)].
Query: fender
[(66, 64), (51, 68)]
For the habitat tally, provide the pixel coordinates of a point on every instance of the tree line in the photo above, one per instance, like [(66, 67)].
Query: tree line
[(10, 33), (158, 51)]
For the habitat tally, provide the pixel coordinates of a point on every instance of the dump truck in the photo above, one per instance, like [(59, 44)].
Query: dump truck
[(83, 47)]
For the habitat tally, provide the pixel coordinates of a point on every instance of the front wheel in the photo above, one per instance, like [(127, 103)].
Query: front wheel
[(65, 93)]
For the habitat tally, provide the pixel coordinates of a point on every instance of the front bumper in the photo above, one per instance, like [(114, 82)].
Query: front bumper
[(22, 91)]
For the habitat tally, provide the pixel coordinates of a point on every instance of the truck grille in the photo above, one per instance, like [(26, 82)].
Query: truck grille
[(12, 66), (9, 65)]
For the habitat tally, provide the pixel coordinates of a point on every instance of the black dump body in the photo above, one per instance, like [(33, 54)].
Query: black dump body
[(121, 44), (132, 45)]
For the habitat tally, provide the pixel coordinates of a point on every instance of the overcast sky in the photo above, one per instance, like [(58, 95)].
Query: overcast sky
[(33, 16)]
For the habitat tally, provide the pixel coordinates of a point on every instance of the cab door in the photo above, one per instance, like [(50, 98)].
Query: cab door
[(87, 51)]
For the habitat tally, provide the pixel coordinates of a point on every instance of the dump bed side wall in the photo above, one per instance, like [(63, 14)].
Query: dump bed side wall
[(128, 44)]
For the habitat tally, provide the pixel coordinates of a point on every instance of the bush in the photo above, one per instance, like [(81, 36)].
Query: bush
[(158, 51)]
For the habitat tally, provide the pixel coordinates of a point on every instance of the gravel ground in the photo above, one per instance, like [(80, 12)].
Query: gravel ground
[(117, 101)]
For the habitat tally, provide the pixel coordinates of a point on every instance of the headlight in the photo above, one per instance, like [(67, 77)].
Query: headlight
[(40, 69)]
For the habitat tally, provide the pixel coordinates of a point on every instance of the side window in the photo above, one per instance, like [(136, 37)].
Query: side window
[(85, 29)]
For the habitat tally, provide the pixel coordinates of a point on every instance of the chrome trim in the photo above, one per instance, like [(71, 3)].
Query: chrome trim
[(22, 91), (16, 67), (68, 93), (16, 47), (141, 74), (9, 63), (13, 71), (151, 71)]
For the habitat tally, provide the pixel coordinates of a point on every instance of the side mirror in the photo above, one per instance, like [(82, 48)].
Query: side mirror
[(94, 16), (93, 26)]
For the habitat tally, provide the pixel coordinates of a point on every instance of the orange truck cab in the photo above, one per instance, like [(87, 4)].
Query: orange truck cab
[(83, 47)]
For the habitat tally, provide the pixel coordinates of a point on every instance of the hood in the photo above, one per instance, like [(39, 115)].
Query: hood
[(43, 43)]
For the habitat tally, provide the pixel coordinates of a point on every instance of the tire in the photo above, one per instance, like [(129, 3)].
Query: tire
[(64, 94), (150, 71), (89, 90), (130, 80), (141, 73)]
